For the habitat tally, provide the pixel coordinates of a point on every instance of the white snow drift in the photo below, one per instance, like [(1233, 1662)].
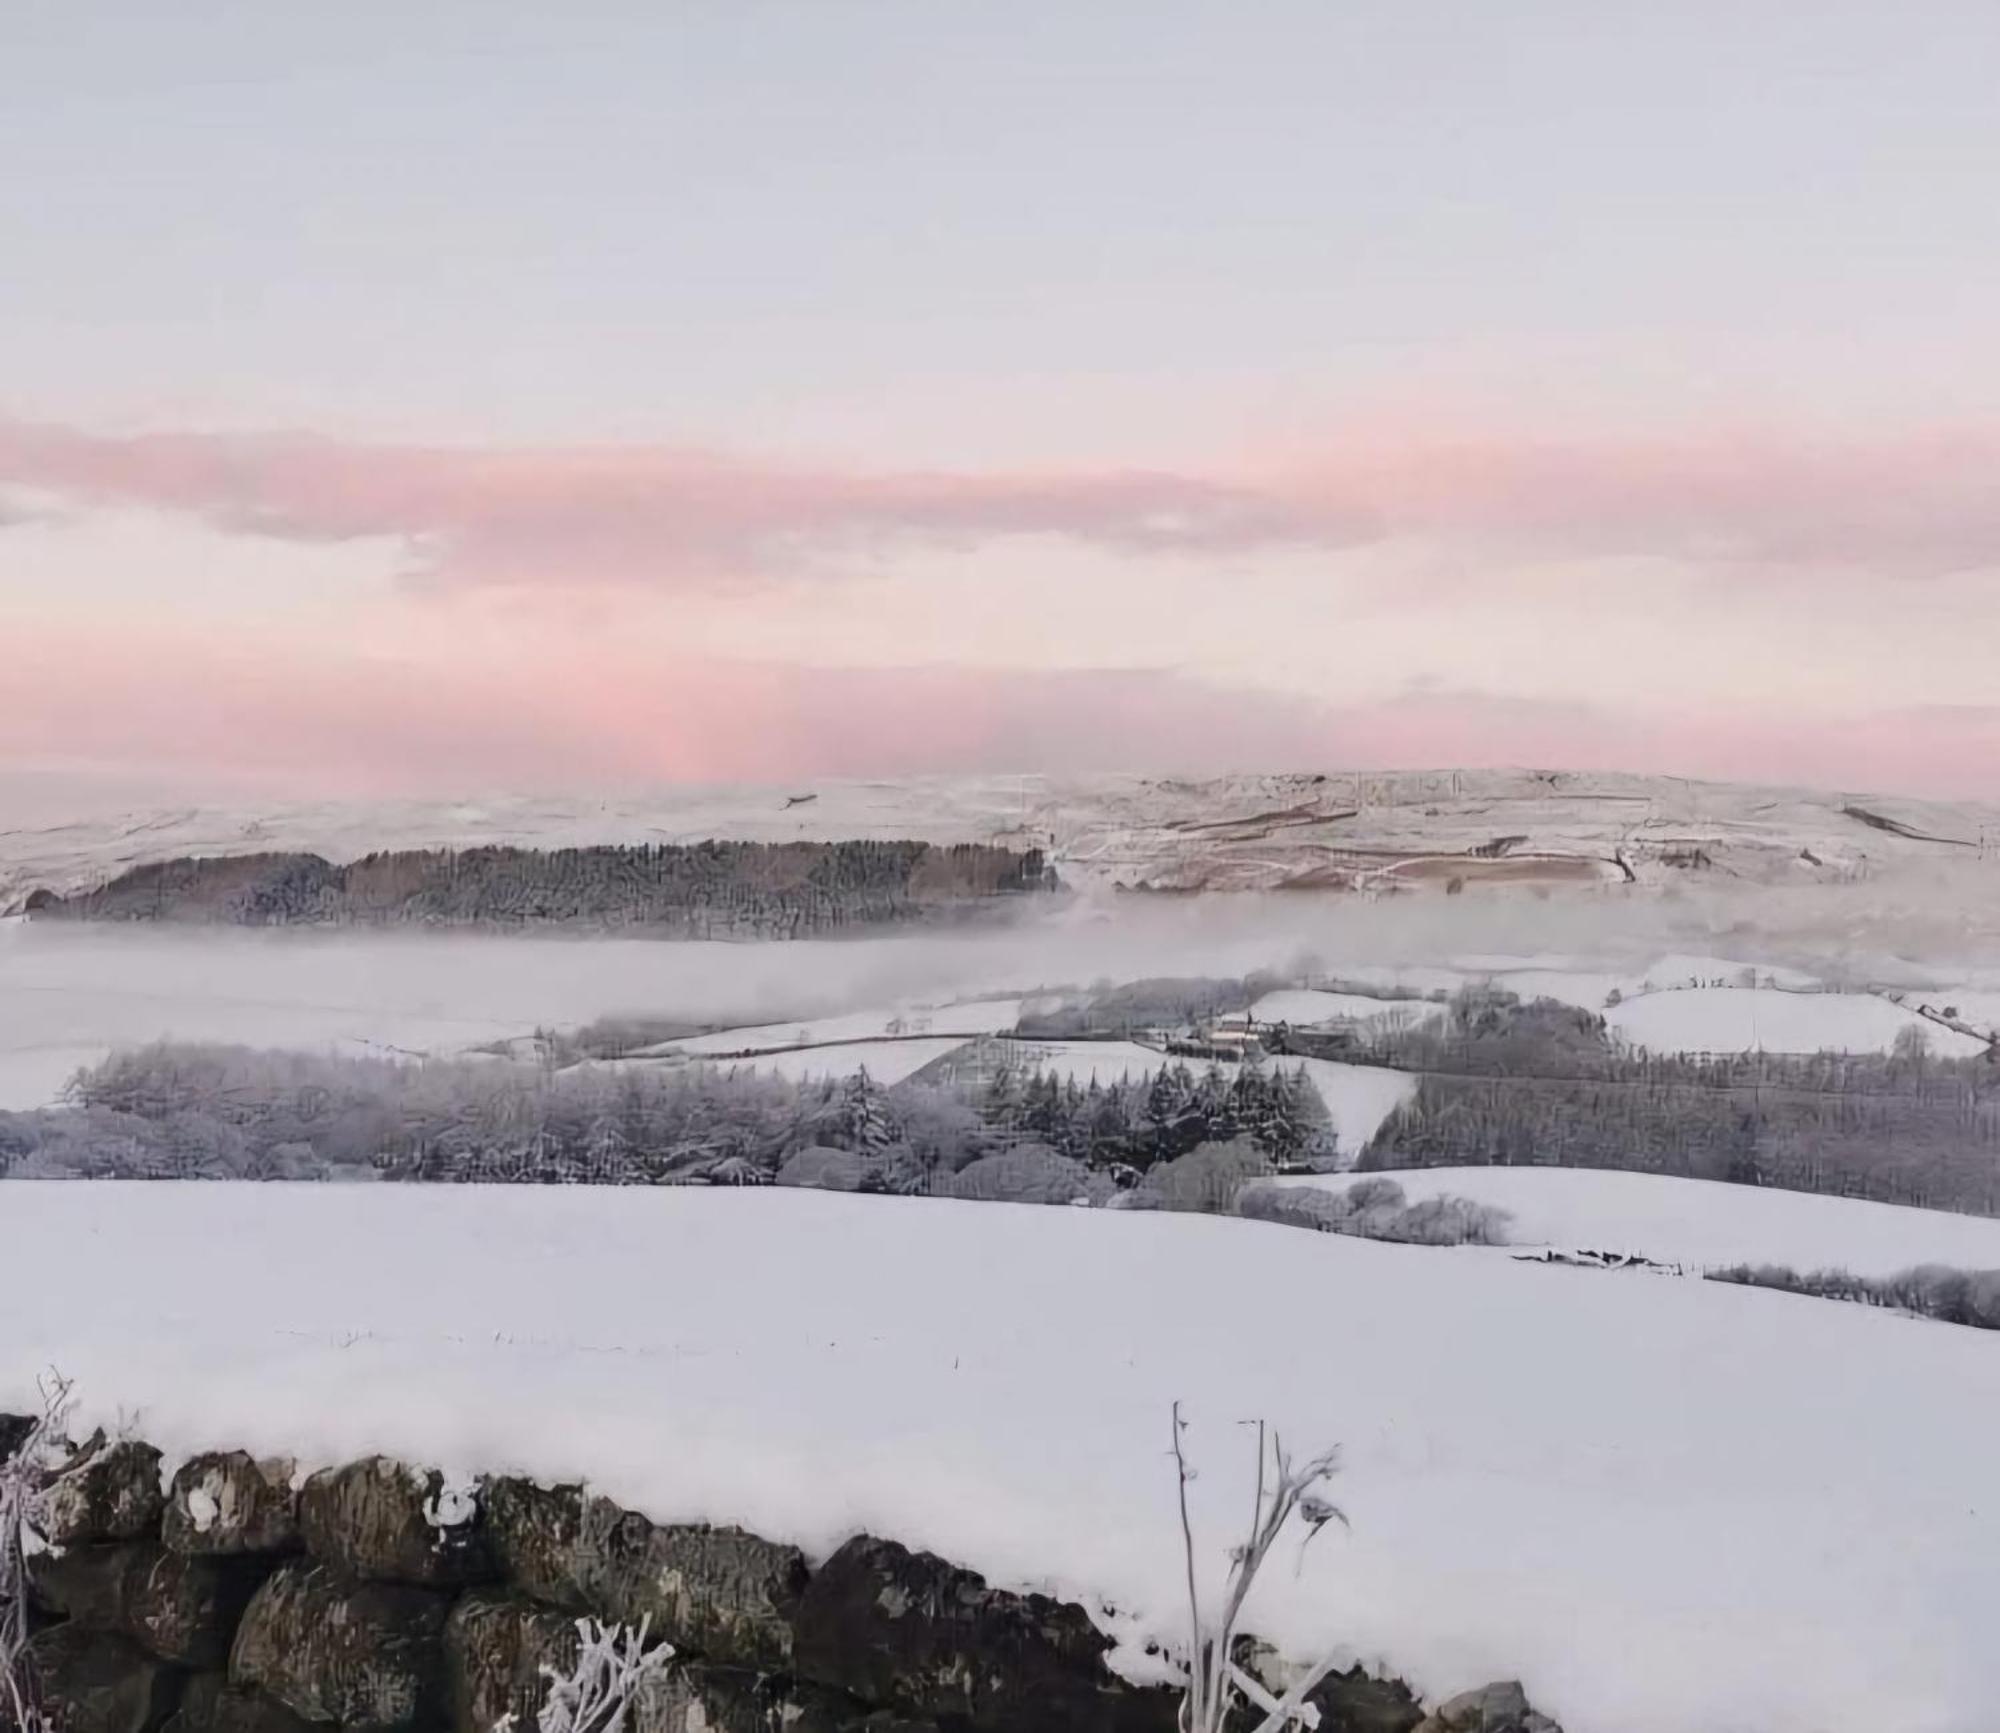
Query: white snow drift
[(1665, 1505)]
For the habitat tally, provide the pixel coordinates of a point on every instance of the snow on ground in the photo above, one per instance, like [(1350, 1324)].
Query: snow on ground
[(1682, 970), (1358, 1098), (1973, 1006), (1663, 1505), (1588, 988), (1747, 1020), (1098, 1061), (886, 1062), (983, 1017), (1704, 1222), (1308, 1007), (1414, 978), (1578, 981)]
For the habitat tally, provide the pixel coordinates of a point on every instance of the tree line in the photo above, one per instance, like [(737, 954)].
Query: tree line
[(190, 1111), (1502, 1082), (699, 890), (1952, 1296)]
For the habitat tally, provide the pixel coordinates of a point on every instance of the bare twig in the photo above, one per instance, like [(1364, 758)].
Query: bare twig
[(595, 1696), (24, 1477), (1214, 1682)]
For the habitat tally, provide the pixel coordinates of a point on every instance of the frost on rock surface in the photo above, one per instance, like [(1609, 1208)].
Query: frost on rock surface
[(891, 1625), (379, 1518), (721, 1592), (109, 1492), (330, 1649), (228, 1502)]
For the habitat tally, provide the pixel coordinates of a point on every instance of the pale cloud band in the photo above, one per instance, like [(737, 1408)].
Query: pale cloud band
[(1771, 609), (1911, 505)]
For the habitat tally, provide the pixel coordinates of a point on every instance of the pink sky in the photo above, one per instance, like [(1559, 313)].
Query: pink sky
[(738, 392), (1753, 605), (499, 636)]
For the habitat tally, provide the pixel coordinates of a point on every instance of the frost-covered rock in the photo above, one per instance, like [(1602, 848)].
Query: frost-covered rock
[(1355, 1702), (368, 1655), (102, 1682), (1351, 1702), (717, 1592), (383, 1519), (495, 1647), (180, 1608), (210, 1704), (106, 1492), (899, 1627), (1496, 1708), (228, 1502)]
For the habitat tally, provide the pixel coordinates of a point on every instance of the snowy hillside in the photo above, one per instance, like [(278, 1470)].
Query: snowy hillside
[(1760, 1019), (1344, 830), (1704, 1222), (1664, 1505), (984, 1017)]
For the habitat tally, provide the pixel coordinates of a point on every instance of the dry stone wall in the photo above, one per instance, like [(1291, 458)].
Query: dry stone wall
[(377, 1598)]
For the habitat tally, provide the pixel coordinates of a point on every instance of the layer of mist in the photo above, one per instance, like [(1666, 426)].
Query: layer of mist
[(70, 993)]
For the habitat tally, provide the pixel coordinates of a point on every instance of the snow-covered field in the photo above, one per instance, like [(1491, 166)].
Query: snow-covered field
[(1358, 1098), (1309, 1007), (886, 1062), (1749, 1020), (1087, 1062), (983, 1017), (1704, 1223), (1664, 1505)]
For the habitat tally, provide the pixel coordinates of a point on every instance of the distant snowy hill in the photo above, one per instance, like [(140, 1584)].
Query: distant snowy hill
[(1250, 832)]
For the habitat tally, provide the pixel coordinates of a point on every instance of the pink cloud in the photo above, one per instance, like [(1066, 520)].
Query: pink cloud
[(303, 725), (1919, 502), (618, 514), (638, 515)]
